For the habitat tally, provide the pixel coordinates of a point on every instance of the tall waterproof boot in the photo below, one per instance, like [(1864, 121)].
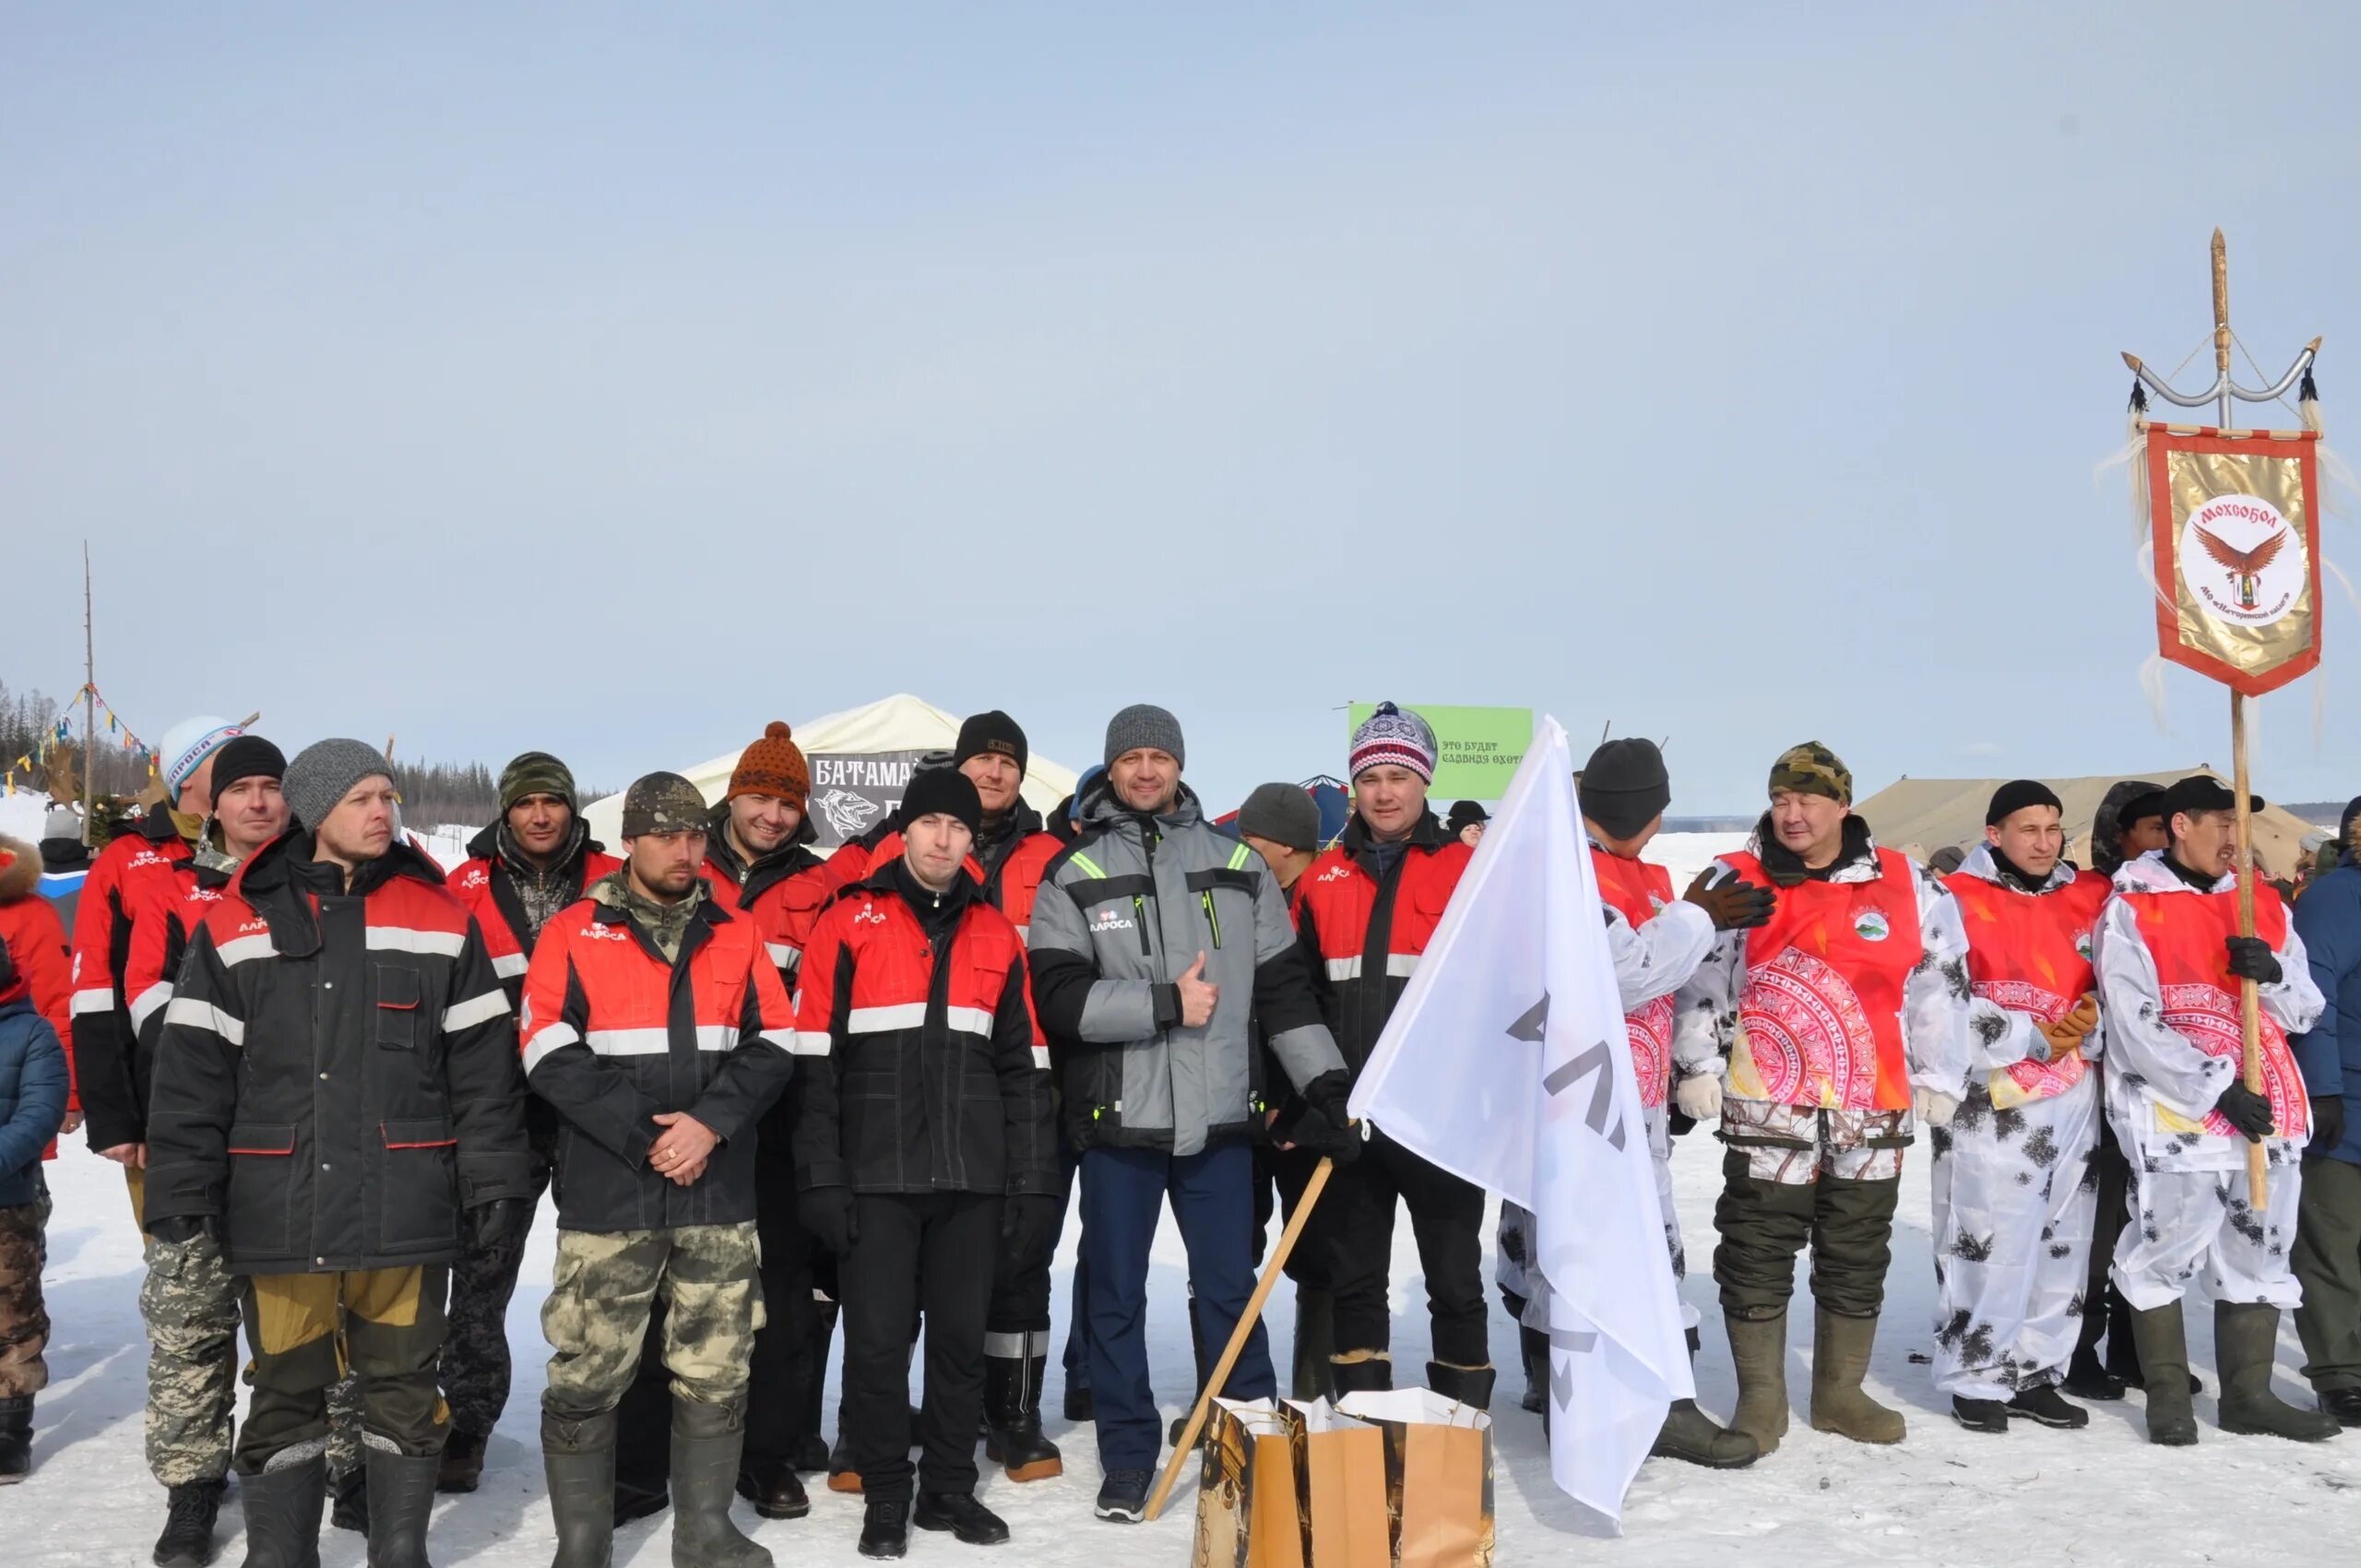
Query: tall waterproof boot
[(2123, 1347), (1315, 1341), (1362, 1372), (580, 1459), (1012, 1414), (2162, 1346), (1533, 1350), (401, 1495), (1690, 1435), (16, 1438), (1759, 1350), (1840, 1360), (2246, 1341), (706, 1443), (1468, 1385), (283, 1508)]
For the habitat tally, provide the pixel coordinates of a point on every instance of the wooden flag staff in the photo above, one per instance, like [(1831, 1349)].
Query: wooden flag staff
[(1246, 1322), (2225, 394)]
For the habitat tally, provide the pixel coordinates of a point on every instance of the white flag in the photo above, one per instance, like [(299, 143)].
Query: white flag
[(1507, 1063)]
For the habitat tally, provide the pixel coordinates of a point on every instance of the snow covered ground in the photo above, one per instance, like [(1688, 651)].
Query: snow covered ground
[(1945, 1496)]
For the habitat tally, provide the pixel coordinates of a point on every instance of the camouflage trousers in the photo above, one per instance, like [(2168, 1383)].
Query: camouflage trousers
[(606, 1284), (383, 1326), (24, 1318), (190, 1306)]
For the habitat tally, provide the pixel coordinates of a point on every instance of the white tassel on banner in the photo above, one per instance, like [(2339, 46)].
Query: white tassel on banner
[(2132, 456), (2151, 686)]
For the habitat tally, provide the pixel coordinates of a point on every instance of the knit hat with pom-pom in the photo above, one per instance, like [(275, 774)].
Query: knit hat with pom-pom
[(772, 765)]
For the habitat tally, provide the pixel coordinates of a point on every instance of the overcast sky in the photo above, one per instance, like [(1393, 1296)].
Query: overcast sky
[(614, 383)]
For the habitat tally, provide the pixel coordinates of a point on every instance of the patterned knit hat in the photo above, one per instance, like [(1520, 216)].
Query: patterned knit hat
[(1812, 769), (772, 765), (1396, 737), (535, 773)]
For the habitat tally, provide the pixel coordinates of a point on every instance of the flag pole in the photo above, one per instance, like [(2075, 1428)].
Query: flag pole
[(1246, 1322)]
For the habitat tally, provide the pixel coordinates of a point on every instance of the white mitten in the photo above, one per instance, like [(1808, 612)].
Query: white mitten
[(1700, 1098), (1935, 1110)]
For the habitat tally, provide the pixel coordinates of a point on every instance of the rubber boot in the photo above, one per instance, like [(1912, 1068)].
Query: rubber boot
[(1759, 1350), (1315, 1341), (1012, 1414), (1468, 1385), (708, 1441), (580, 1459), (1362, 1372), (1840, 1360), (16, 1438), (1694, 1437), (2163, 1348), (282, 1509), (2245, 1343), (2123, 1348), (402, 1497)]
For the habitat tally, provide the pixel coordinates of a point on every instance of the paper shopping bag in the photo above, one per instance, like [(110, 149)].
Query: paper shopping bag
[(1340, 1486), (1438, 1476), (1246, 1494)]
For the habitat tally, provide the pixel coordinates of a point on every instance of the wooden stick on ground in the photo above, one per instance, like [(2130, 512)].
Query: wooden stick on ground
[(1246, 1322), (2249, 1003)]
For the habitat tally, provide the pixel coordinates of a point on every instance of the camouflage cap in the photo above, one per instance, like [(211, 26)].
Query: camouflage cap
[(1812, 769), (662, 802)]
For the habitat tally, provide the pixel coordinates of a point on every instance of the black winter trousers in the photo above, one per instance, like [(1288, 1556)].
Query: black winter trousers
[(779, 1403), (2100, 1299), (1355, 1226), (913, 1252)]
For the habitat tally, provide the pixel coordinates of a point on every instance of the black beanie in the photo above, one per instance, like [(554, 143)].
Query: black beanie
[(1623, 787), (2015, 796), (1465, 815), (994, 732), (943, 789), (246, 756)]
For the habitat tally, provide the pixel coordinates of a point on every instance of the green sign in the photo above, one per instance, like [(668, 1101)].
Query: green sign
[(1477, 748)]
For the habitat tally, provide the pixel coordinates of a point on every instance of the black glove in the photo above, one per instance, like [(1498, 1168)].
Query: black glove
[(2328, 1121), (496, 1225), (179, 1229), (827, 1213), (2245, 1109), (1027, 1227), (1735, 905), (2251, 958), (1326, 1124)]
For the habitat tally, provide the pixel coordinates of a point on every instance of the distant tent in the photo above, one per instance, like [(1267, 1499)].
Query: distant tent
[(1921, 816), (861, 760), (1329, 794)]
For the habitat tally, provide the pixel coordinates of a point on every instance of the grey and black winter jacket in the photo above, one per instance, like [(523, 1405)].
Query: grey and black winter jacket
[(1122, 914)]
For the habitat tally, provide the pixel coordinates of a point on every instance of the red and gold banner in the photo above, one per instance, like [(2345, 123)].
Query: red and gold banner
[(2237, 533)]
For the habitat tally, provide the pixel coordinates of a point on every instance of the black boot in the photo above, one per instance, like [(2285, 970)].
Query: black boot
[(886, 1527), (15, 1439), (2163, 1348), (2245, 1343), (1980, 1415), (462, 1464), (401, 1496), (2043, 1406), (283, 1511), (190, 1513), (775, 1491), (1370, 1374), (958, 1512), (708, 1441), (1205, 1372), (1315, 1341), (350, 1491), (1468, 1385), (1012, 1418), (2087, 1377), (1533, 1350), (580, 1459), (2344, 1404)]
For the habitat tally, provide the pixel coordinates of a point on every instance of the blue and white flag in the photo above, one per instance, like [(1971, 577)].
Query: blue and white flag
[(1507, 1063)]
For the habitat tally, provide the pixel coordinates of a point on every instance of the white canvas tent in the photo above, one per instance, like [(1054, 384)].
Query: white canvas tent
[(860, 759), (1921, 816)]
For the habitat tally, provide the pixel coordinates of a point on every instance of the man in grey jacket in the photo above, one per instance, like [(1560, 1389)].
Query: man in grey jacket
[(1155, 941)]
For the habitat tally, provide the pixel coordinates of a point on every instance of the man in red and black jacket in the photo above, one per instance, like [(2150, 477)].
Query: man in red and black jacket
[(536, 859), (1364, 913), (655, 1024), (925, 1109), (337, 1098)]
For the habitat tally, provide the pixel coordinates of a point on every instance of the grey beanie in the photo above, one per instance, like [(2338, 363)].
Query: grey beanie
[(325, 771), (1143, 724), (1285, 813)]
